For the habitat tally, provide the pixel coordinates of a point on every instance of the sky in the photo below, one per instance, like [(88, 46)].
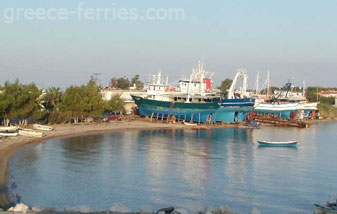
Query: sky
[(295, 39)]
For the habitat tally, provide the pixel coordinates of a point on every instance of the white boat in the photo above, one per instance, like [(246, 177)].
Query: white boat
[(190, 124), (6, 134), (42, 127), (278, 107), (278, 144), (31, 133), (9, 128), (309, 106)]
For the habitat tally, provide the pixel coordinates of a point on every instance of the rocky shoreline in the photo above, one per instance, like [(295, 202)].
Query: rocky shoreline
[(121, 209)]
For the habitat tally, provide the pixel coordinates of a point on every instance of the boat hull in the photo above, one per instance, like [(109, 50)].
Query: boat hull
[(246, 102), (232, 114), (270, 144), (183, 111)]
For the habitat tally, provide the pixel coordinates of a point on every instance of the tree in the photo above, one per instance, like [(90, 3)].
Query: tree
[(123, 83), (116, 104), (85, 100), (18, 101), (52, 99), (135, 81), (225, 85)]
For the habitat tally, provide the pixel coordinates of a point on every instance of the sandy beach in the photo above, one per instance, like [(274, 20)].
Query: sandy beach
[(9, 146)]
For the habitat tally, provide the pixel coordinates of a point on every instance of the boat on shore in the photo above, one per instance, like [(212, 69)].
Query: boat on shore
[(42, 127), (190, 124), (277, 144), (30, 133), (9, 129), (183, 111), (8, 134)]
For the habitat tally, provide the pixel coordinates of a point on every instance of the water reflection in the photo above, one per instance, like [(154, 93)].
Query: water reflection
[(184, 168)]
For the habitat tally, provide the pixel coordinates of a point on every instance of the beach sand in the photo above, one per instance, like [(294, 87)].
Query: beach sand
[(9, 146)]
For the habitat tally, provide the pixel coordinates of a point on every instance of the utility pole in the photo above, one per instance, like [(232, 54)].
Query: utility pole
[(96, 78)]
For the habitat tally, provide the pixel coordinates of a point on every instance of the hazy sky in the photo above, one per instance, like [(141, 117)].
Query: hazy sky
[(294, 39)]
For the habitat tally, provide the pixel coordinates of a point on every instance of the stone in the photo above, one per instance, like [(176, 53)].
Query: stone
[(146, 210), (77, 209), (43, 210), (21, 208), (182, 211), (119, 208), (223, 210), (254, 211)]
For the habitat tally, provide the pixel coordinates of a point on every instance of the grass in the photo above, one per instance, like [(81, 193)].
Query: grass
[(327, 111)]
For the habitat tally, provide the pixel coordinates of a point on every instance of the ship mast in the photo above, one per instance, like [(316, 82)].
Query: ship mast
[(257, 83), (268, 83)]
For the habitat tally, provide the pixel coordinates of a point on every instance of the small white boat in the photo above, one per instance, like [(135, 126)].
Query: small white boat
[(190, 124), (42, 127), (31, 133), (7, 134), (278, 144), (9, 128)]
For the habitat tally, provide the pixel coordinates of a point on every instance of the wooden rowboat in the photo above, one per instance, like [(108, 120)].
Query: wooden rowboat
[(9, 128), (190, 124), (42, 127), (31, 133), (278, 144), (6, 134)]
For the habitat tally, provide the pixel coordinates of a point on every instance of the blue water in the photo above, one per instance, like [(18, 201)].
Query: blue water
[(182, 168)]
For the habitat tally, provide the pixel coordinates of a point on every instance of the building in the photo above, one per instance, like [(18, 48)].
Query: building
[(328, 94), (129, 103)]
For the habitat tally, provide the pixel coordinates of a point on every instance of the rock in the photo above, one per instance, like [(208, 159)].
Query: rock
[(1, 210), (21, 208), (182, 211), (43, 210), (77, 209), (254, 211), (37, 209), (146, 210), (222, 210), (11, 209), (119, 208)]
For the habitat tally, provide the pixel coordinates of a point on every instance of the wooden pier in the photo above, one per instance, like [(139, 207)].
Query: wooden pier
[(280, 122)]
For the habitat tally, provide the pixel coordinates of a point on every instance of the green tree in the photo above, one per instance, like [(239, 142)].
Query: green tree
[(116, 104), (52, 99), (136, 81), (85, 101), (123, 83), (225, 85), (18, 101)]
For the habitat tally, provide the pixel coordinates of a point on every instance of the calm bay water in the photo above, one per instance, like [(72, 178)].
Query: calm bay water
[(182, 168)]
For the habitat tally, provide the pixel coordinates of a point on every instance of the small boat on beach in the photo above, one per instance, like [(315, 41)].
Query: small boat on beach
[(9, 128), (7, 134), (30, 133), (190, 124), (277, 144), (42, 127)]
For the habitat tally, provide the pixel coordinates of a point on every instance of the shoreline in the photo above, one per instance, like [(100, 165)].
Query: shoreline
[(10, 146)]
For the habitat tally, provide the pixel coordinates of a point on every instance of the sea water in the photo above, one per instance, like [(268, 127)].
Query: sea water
[(182, 168)]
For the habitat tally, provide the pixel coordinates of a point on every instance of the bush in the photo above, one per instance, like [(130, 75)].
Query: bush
[(57, 117), (327, 110)]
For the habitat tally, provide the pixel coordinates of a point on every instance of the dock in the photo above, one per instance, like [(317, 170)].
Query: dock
[(280, 122)]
